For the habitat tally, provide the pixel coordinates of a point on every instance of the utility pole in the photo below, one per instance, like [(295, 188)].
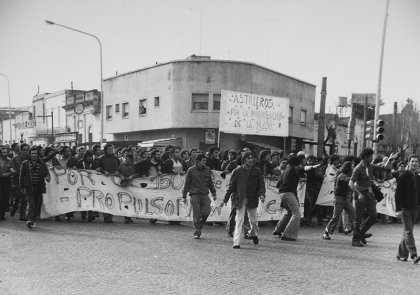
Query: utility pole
[(378, 94), (52, 124), (321, 121)]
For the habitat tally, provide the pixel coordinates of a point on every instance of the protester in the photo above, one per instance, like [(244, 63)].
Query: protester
[(246, 187), (407, 200), (213, 161), (342, 196), (198, 182), (288, 226), (33, 174), (365, 203), (107, 165), (19, 198), (6, 172)]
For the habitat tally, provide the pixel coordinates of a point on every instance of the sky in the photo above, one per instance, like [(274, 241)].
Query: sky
[(304, 39)]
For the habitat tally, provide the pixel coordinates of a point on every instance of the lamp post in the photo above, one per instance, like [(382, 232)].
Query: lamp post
[(102, 88), (10, 108)]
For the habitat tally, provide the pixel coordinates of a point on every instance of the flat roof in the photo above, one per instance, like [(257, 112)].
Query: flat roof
[(206, 60)]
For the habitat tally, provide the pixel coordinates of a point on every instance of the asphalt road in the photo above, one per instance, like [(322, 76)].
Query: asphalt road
[(141, 258)]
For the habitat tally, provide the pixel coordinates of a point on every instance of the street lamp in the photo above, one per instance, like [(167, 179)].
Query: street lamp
[(48, 22), (10, 108)]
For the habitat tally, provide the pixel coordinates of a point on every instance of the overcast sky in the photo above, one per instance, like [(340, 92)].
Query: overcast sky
[(305, 39)]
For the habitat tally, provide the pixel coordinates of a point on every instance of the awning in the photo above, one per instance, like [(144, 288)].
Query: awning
[(161, 142), (263, 145)]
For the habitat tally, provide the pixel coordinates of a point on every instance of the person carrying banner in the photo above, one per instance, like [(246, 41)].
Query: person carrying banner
[(407, 200), (246, 187), (33, 174), (107, 165), (198, 182), (365, 203)]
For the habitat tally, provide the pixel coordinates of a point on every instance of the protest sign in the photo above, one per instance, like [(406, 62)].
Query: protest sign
[(246, 113), (159, 197)]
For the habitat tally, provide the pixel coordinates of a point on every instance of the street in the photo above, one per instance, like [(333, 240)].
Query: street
[(95, 258)]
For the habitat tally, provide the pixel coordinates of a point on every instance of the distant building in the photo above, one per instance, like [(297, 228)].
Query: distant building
[(179, 101)]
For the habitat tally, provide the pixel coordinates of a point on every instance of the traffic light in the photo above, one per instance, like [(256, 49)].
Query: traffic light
[(369, 130), (380, 130)]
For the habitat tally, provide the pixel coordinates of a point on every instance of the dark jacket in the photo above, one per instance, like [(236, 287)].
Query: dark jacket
[(25, 179), (407, 194), (289, 179), (198, 181), (241, 187)]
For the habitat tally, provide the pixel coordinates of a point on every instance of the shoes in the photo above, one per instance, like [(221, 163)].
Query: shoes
[(23, 219), (236, 247), (367, 235), (326, 236), (276, 233), (247, 237), (230, 235), (255, 240), (402, 258), (13, 212), (196, 236), (283, 238), (57, 218), (357, 244), (67, 218), (416, 259), (363, 240), (30, 224), (347, 231)]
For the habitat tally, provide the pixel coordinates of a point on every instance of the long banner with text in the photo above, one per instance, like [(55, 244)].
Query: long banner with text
[(159, 197)]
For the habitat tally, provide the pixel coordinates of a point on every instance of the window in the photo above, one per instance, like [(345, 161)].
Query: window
[(125, 110), (157, 102), (200, 102), (142, 107), (303, 117), (108, 112), (290, 114), (117, 108), (216, 102)]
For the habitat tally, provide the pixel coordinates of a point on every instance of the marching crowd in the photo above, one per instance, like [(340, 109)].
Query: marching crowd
[(24, 170)]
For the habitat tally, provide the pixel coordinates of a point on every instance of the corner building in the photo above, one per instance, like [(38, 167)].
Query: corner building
[(180, 101)]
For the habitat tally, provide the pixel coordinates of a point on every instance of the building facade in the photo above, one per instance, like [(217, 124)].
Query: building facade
[(181, 100)]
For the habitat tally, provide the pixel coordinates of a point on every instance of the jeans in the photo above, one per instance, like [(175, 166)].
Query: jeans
[(19, 201), (230, 226), (201, 211), (34, 200), (408, 245), (5, 186), (340, 203), (365, 206), (239, 221), (289, 224)]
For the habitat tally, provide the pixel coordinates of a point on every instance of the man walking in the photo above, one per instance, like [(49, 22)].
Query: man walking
[(365, 202), (33, 174), (407, 200), (198, 183), (246, 187)]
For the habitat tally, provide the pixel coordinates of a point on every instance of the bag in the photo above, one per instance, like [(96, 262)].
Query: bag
[(377, 192)]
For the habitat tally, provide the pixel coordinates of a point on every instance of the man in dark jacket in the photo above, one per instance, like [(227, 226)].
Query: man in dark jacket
[(33, 174), (107, 165), (407, 200), (246, 186), (198, 182)]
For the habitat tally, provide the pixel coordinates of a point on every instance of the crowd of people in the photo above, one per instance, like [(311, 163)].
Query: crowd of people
[(24, 170)]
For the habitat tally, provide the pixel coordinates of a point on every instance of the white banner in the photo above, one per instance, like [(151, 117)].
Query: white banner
[(326, 193), (245, 113), (159, 197), (387, 204)]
